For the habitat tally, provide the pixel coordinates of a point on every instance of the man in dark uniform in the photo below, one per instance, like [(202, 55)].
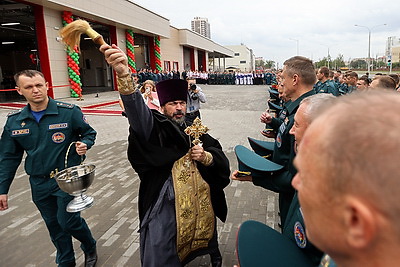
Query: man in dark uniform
[(181, 186), (324, 85), (297, 80), (268, 78), (45, 129), (184, 75), (352, 78), (211, 79), (294, 228)]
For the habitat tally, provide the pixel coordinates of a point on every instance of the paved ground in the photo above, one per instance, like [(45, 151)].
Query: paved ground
[(232, 113)]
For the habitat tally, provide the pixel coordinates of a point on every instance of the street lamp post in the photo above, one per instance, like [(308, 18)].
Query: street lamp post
[(369, 42), (297, 44), (329, 56)]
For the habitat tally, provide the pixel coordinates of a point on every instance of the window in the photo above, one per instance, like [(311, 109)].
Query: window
[(243, 62), (175, 65), (167, 65), (237, 54)]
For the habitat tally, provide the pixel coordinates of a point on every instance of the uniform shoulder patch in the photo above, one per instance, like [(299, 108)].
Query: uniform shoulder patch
[(65, 105), (14, 112), (300, 235)]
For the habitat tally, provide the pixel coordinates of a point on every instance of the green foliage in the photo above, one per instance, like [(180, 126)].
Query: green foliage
[(395, 65), (268, 64), (358, 64), (335, 64)]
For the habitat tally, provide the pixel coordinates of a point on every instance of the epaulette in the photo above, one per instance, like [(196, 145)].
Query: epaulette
[(65, 105), (14, 112)]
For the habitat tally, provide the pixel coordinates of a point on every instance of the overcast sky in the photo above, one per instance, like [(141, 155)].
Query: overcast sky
[(270, 28)]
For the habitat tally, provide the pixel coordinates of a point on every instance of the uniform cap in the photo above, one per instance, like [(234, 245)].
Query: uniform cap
[(273, 92), (249, 161), (262, 148), (274, 106), (260, 245)]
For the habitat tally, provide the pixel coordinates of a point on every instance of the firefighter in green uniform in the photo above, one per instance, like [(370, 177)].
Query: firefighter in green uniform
[(297, 80), (45, 129), (293, 227), (324, 85), (211, 79)]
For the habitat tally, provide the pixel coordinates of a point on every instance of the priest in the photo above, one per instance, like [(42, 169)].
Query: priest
[(182, 172)]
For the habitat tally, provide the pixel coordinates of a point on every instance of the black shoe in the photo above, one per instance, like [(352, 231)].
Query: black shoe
[(91, 259), (216, 259)]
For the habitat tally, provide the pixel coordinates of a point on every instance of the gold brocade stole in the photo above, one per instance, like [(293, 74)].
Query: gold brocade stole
[(195, 220)]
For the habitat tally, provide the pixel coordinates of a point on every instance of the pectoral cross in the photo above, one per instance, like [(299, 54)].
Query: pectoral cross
[(196, 130)]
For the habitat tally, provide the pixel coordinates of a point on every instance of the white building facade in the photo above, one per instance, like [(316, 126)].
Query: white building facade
[(243, 59)]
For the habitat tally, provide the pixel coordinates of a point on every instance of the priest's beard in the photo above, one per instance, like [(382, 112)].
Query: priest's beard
[(178, 121)]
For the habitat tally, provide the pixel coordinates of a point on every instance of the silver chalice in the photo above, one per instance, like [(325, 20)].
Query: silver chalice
[(75, 181)]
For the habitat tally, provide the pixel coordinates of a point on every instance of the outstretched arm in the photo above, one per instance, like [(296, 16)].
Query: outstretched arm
[(139, 115)]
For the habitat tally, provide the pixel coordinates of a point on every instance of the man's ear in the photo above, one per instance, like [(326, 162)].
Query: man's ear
[(296, 79), (18, 90), (360, 223)]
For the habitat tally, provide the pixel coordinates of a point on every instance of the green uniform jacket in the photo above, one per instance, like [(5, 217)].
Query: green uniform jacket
[(327, 87), (276, 122), (284, 154), (45, 143), (295, 230)]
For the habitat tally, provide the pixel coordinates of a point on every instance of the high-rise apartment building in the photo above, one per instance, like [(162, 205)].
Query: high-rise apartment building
[(393, 49), (201, 26)]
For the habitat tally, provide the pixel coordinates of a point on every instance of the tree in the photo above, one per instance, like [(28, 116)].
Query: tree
[(358, 64), (338, 62), (380, 64), (269, 64), (395, 65), (321, 63), (333, 64), (260, 63)]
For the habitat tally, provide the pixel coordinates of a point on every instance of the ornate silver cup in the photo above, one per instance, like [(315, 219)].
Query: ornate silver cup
[(75, 181)]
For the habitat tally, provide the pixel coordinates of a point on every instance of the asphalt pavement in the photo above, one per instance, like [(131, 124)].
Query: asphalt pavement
[(232, 114)]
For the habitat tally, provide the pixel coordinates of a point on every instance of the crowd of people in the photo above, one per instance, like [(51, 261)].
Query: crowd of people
[(259, 77), (338, 83), (303, 94), (337, 197)]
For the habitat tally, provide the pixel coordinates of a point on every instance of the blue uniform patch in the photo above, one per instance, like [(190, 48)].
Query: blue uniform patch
[(58, 137), (20, 132), (58, 126), (300, 235)]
